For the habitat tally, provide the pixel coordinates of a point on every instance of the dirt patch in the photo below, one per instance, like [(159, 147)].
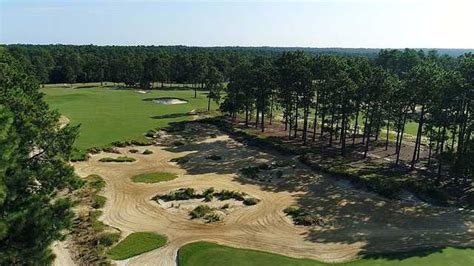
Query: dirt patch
[(361, 222)]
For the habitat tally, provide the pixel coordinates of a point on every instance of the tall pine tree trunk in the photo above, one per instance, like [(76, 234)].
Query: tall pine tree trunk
[(418, 137)]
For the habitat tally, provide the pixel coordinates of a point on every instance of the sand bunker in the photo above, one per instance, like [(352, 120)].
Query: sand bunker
[(165, 100), (361, 222)]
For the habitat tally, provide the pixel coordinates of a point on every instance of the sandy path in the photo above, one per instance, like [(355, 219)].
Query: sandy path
[(263, 226)]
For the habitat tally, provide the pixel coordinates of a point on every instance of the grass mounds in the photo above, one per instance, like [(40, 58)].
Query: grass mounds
[(208, 194), (120, 159), (136, 244), (133, 151), (147, 152), (206, 253), (154, 177)]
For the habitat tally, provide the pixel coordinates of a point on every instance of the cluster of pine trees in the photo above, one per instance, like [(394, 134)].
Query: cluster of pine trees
[(357, 100), (34, 154)]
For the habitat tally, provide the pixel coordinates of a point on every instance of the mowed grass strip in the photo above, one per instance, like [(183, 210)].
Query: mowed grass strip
[(211, 254), (136, 244), (154, 177), (120, 159)]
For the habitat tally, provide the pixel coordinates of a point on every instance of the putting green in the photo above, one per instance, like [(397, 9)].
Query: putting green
[(210, 254)]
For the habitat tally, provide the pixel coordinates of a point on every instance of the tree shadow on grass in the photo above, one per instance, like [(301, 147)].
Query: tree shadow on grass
[(166, 116)]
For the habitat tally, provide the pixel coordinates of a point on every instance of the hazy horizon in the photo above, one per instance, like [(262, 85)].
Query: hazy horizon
[(367, 24)]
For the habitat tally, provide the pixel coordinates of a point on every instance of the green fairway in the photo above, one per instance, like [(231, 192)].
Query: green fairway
[(107, 115), (210, 254), (135, 244), (154, 177)]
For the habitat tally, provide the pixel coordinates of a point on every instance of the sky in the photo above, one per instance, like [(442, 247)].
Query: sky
[(317, 23)]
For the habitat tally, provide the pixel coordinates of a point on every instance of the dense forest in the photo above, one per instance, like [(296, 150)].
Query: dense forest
[(386, 89)]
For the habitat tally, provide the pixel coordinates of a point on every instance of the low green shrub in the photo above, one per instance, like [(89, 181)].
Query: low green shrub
[(144, 142), (150, 134), (121, 144), (111, 150), (121, 159), (250, 201), (250, 171), (147, 152), (228, 194), (108, 239), (180, 160), (214, 157), (96, 182), (178, 143), (99, 202), (212, 218), (200, 211), (180, 194)]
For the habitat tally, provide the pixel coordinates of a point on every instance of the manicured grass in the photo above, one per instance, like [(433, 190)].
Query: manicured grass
[(154, 177), (107, 115), (136, 244), (210, 254), (120, 159)]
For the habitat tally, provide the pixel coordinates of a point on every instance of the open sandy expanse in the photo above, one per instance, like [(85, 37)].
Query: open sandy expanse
[(358, 222)]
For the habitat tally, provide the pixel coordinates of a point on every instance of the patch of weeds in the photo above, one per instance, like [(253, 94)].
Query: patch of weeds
[(180, 160), (121, 144), (214, 157), (251, 201), (133, 151), (150, 134), (99, 202), (250, 171), (200, 211), (144, 142), (147, 152), (225, 206), (230, 194), (300, 217), (178, 143), (96, 182), (108, 239), (121, 159), (111, 150), (180, 194), (212, 218)]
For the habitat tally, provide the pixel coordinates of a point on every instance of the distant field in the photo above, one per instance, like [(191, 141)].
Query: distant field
[(210, 254), (107, 115)]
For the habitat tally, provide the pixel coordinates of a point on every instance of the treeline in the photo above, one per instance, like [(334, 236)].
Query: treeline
[(356, 100), (139, 66), (136, 66)]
